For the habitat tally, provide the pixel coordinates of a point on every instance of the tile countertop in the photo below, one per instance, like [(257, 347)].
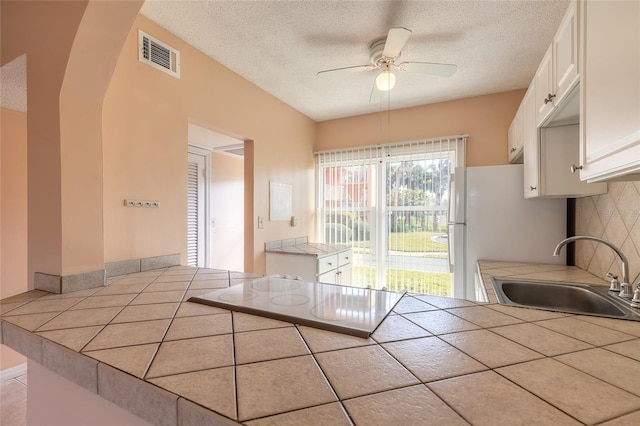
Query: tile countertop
[(314, 249), (139, 344)]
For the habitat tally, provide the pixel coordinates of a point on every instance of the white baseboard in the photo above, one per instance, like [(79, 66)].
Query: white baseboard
[(13, 372)]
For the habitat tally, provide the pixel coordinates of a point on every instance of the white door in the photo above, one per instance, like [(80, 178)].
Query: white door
[(197, 234)]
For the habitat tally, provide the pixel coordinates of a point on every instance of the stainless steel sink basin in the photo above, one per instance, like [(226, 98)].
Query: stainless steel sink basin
[(563, 297)]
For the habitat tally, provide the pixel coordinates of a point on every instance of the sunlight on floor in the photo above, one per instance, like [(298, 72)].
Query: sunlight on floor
[(13, 401)]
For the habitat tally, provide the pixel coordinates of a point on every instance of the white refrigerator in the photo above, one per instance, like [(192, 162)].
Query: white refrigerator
[(489, 219)]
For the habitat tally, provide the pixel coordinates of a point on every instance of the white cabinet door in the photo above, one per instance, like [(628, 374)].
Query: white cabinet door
[(530, 141), (559, 150), (610, 89), (330, 277), (557, 73), (345, 274), (565, 54), (544, 87), (514, 138)]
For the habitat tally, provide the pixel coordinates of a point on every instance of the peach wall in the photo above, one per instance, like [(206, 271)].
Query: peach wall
[(45, 32), (95, 51), (71, 48), (227, 210), (250, 219), (13, 209), (145, 119), (485, 118), (13, 214)]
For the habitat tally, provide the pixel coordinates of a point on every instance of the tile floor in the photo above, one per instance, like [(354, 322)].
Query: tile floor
[(13, 401)]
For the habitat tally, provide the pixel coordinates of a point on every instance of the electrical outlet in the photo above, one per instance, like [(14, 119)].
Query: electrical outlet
[(294, 221), (141, 203)]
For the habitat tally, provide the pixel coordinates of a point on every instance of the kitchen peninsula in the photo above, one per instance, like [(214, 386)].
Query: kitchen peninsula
[(139, 344)]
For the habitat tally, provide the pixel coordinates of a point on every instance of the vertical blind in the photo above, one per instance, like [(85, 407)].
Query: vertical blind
[(389, 203), (192, 214)]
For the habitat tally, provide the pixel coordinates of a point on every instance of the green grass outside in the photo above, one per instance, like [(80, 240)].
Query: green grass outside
[(415, 242), (432, 283), (409, 242)]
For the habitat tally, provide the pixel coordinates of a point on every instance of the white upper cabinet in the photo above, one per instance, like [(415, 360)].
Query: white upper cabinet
[(565, 54), (558, 70), (531, 150), (544, 87), (551, 153), (515, 138), (610, 90), (548, 118)]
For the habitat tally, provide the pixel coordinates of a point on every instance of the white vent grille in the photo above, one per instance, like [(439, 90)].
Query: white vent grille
[(157, 54)]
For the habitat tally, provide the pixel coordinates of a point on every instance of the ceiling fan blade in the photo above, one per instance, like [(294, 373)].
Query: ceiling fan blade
[(396, 39), (346, 70), (444, 70)]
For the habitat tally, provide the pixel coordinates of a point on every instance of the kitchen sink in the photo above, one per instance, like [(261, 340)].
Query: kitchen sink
[(564, 297)]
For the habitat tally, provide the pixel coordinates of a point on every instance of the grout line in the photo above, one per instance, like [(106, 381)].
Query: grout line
[(592, 375), (109, 323), (324, 375), (235, 368), (536, 396), (173, 317)]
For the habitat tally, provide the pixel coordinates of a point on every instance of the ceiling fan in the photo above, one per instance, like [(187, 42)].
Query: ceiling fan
[(383, 53)]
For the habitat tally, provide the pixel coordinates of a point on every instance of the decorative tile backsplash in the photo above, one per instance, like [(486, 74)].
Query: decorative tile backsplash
[(614, 216)]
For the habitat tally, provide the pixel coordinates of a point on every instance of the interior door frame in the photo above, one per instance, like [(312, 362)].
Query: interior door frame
[(206, 207)]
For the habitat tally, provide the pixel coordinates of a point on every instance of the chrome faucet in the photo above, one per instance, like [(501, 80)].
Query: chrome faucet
[(626, 288)]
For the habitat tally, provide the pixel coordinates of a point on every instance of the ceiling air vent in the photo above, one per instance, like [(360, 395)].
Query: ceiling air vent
[(158, 54)]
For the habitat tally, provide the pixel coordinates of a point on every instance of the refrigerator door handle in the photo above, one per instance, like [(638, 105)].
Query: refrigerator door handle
[(450, 256), (450, 202), (456, 193)]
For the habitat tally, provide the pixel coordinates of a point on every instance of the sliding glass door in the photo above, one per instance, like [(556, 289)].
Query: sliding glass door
[(389, 203)]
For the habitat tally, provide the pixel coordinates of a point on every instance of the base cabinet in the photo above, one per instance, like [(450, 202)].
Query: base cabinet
[(334, 268)]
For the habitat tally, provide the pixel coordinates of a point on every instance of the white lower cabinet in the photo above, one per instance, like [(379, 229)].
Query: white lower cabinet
[(334, 268)]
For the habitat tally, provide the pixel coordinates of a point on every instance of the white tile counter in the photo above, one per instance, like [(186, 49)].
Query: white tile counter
[(139, 344)]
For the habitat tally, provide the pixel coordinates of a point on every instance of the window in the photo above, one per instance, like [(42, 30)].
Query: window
[(389, 203)]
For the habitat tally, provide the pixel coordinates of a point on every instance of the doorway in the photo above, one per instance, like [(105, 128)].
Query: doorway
[(198, 212), (222, 226)]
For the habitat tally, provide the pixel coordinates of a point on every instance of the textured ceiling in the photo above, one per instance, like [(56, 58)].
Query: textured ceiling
[(281, 45)]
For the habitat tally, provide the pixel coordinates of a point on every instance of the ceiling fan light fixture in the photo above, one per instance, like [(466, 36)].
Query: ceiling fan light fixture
[(385, 80)]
